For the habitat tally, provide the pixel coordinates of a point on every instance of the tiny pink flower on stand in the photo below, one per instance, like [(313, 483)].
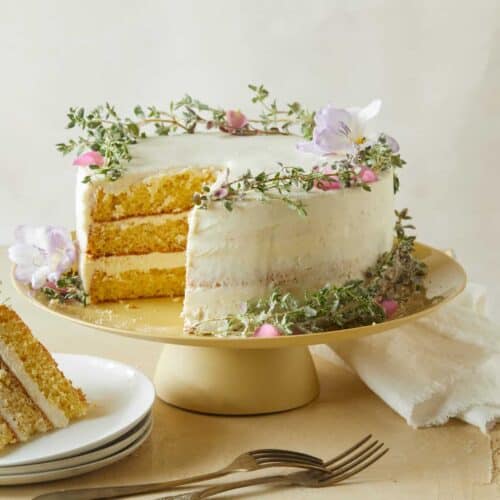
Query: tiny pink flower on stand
[(235, 119), (390, 307), (331, 183), (89, 158), (367, 175), (266, 330)]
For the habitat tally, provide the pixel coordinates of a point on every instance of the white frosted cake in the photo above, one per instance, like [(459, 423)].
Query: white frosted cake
[(281, 224), (135, 242)]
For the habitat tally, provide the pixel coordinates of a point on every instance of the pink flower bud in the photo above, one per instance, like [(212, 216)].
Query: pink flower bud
[(89, 158), (331, 183), (266, 330), (235, 119), (389, 306), (367, 175)]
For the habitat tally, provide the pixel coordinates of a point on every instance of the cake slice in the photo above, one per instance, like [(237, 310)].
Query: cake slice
[(35, 396)]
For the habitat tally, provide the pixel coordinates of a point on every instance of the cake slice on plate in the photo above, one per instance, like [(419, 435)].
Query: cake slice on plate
[(35, 396)]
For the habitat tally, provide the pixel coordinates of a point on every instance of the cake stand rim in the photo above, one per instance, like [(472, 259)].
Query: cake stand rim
[(273, 342)]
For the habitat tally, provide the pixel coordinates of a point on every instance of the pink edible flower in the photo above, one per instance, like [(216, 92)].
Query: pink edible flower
[(89, 158), (367, 175), (235, 119), (266, 330), (331, 183), (390, 307)]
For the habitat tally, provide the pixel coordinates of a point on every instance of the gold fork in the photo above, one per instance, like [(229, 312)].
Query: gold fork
[(247, 462), (357, 458)]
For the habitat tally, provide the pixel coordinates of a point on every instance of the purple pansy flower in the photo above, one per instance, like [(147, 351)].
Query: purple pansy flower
[(340, 131), (41, 254)]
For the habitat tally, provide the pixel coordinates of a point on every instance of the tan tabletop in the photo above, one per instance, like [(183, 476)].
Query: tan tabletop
[(454, 462)]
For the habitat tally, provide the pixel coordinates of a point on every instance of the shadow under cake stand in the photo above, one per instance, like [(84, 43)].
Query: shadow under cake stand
[(235, 375)]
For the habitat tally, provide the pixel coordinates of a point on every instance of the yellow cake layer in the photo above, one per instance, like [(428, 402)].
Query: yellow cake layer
[(40, 365), (19, 408), (6, 435), (136, 237), (164, 194), (137, 284)]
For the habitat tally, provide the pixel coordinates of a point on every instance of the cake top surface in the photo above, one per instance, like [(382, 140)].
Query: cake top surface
[(257, 153)]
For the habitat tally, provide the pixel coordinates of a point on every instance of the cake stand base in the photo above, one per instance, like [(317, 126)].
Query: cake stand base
[(236, 381)]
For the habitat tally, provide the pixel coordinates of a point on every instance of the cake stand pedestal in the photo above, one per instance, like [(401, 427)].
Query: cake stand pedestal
[(237, 375), (236, 381)]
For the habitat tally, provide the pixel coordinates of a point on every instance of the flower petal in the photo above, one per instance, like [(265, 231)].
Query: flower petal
[(267, 330), (392, 143), (370, 111), (39, 277), (89, 158)]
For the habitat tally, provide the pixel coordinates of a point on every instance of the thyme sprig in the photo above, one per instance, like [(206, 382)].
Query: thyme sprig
[(280, 184), (397, 275), (103, 130), (68, 288)]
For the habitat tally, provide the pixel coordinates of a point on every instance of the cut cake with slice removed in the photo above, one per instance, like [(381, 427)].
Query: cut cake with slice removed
[(35, 396)]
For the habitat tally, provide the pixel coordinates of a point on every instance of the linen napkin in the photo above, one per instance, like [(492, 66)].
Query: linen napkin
[(444, 365)]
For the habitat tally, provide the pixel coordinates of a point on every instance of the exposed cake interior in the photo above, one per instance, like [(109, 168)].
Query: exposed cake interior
[(133, 240), (35, 396)]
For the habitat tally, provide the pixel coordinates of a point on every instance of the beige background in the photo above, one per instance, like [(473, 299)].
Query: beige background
[(435, 64)]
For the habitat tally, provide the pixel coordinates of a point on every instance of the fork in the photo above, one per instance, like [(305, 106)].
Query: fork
[(247, 462), (357, 458)]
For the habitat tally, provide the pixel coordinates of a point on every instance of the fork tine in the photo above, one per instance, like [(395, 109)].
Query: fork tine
[(349, 450), (360, 458), (350, 458), (355, 470), (298, 454)]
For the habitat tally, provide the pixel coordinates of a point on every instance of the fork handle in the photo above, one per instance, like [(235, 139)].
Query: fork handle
[(133, 489), (214, 490)]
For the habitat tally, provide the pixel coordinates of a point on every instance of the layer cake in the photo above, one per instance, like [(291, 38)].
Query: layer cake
[(140, 236)]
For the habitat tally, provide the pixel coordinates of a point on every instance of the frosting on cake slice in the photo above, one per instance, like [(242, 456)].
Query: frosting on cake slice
[(35, 396)]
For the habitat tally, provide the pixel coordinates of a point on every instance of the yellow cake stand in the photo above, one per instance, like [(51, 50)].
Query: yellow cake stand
[(235, 375)]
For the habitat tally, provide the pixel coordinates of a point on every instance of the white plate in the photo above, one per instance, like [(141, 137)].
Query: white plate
[(85, 458), (73, 471), (119, 395)]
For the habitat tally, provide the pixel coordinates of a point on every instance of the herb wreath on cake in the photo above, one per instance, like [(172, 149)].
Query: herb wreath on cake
[(278, 225)]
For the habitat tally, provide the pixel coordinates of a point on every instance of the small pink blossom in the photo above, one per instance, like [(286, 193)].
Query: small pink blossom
[(267, 330), (389, 306), (235, 119), (367, 175), (89, 158), (327, 185)]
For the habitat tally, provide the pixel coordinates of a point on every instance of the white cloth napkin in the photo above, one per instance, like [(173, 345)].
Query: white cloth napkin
[(441, 366)]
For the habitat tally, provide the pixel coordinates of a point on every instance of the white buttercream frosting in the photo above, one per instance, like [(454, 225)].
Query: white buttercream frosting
[(240, 255)]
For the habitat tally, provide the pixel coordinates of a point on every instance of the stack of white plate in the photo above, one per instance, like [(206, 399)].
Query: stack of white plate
[(119, 421)]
